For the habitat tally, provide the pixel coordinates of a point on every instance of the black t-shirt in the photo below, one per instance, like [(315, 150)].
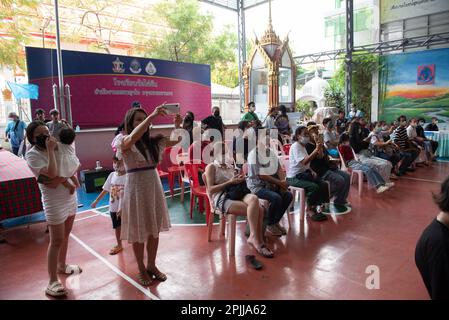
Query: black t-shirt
[(432, 127), (319, 165), (341, 125), (420, 132), (432, 259), (213, 122)]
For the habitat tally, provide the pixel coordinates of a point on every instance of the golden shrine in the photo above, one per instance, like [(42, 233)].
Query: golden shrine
[(270, 72)]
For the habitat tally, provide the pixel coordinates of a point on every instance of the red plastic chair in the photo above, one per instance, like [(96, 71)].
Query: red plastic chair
[(171, 168), (286, 148), (162, 173), (197, 191)]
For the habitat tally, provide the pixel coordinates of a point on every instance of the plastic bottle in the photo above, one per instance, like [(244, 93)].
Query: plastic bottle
[(77, 129)]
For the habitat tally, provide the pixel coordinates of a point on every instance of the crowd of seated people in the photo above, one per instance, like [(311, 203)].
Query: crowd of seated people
[(314, 159)]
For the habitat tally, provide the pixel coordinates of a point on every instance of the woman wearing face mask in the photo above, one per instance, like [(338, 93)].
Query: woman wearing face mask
[(59, 204), (300, 175), (330, 137), (219, 176)]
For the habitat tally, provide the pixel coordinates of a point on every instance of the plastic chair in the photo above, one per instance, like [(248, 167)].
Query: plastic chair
[(173, 169), (162, 173), (286, 149), (359, 173), (183, 158), (230, 218), (196, 190)]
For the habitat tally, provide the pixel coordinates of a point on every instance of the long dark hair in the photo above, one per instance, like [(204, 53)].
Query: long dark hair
[(298, 132), (145, 143), (283, 110), (188, 121), (31, 128)]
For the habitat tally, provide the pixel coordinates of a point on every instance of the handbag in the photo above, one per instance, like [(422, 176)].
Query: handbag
[(237, 191)]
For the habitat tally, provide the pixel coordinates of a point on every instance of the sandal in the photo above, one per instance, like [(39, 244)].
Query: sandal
[(265, 251), (71, 269), (143, 279), (115, 250), (157, 275), (56, 289), (256, 264)]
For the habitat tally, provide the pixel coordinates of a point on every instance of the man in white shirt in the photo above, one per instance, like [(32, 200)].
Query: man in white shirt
[(300, 175)]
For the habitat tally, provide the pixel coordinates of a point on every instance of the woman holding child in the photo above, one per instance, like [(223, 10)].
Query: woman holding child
[(58, 199)]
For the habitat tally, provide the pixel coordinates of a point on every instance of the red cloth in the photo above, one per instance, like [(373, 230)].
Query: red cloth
[(19, 191), (346, 153)]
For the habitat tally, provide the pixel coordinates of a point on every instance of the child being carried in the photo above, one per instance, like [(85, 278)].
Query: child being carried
[(66, 159)]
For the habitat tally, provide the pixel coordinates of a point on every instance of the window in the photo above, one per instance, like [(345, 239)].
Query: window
[(285, 85), (363, 19)]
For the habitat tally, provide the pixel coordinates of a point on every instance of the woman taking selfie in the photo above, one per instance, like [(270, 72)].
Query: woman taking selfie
[(144, 209)]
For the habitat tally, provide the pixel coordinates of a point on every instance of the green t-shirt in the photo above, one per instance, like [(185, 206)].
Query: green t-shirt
[(250, 116)]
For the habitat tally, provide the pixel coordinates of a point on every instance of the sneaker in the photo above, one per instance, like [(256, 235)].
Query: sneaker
[(389, 184), (281, 229), (382, 189), (274, 230)]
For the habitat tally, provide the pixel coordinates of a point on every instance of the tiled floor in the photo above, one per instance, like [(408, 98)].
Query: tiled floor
[(314, 261)]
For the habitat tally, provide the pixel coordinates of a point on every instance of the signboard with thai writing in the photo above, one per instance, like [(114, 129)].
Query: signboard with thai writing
[(393, 10), (103, 86)]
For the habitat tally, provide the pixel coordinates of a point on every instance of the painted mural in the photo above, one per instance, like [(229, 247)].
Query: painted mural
[(415, 84)]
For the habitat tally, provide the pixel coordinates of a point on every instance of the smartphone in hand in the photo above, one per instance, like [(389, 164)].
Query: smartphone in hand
[(172, 108)]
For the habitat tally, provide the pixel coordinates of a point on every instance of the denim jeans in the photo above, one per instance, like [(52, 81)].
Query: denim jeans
[(407, 159), (279, 203), (372, 175)]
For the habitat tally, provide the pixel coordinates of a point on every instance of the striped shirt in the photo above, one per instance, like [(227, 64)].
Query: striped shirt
[(401, 137)]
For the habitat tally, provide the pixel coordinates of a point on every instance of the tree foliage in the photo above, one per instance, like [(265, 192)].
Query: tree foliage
[(14, 22), (362, 71), (189, 38)]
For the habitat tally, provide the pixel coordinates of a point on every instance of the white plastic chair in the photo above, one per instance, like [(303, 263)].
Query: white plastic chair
[(359, 173), (229, 218), (184, 158)]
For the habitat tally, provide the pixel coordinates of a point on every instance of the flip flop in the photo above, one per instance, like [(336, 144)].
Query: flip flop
[(56, 289), (71, 269), (115, 250), (157, 275), (256, 264), (265, 251), (141, 278)]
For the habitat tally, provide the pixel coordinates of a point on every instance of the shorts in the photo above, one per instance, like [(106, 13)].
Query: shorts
[(116, 221)]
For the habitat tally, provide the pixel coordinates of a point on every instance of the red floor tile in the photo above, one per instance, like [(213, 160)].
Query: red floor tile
[(314, 261)]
